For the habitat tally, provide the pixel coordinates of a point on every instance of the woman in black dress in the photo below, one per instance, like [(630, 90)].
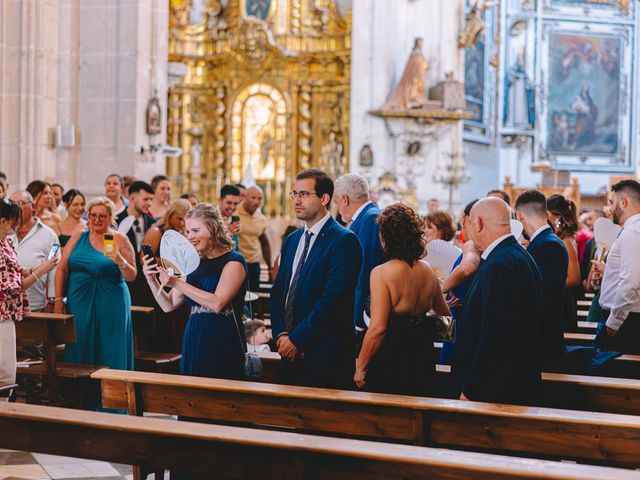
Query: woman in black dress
[(397, 353)]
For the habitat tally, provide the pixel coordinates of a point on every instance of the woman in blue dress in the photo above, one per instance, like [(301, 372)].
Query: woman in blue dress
[(93, 280), (456, 284), (214, 341)]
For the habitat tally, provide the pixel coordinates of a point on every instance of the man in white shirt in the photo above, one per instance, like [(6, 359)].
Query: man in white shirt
[(620, 290), (312, 299), (33, 243)]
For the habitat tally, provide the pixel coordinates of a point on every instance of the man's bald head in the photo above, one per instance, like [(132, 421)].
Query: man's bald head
[(253, 199), (490, 219)]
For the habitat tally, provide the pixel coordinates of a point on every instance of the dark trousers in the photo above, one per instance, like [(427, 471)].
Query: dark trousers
[(253, 276), (626, 340), (295, 373)]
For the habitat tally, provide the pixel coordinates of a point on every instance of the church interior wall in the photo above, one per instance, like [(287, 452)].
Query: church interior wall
[(92, 64), (383, 33)]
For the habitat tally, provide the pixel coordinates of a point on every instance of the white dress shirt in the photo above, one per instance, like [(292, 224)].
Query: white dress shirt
[(316, 231), (32, 250), (492, 245), (538, 232), (620, 290)]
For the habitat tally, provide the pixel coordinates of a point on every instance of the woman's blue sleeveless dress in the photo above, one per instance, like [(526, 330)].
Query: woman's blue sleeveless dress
[(99, 299), (213, 344), (446, 357)]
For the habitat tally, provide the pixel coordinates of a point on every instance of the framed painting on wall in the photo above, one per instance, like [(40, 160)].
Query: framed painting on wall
[(619, 9), (586, 96), (480, 81)]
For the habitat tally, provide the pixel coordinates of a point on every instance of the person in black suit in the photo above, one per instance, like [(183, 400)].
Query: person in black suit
[(361, 215), (140, 199), (552, 259), (497, 342), (312, 298)]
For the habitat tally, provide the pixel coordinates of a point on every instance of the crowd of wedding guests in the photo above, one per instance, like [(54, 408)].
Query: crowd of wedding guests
[(354, 302)]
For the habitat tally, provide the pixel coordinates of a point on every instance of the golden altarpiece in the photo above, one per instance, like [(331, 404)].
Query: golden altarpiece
[(265, 94)]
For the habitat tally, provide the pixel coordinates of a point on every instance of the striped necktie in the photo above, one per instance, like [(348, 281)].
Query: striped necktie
[(291, 298)]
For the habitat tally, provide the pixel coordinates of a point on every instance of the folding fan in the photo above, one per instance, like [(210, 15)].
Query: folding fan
[(177, 253), (605, 232), (441, 256)]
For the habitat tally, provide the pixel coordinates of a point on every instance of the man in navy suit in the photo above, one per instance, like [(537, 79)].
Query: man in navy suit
[(361, 216), (552, 259), (497, 342), (312, 299)]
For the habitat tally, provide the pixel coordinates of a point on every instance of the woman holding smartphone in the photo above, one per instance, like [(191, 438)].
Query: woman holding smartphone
[(14, 281), (95, 265)]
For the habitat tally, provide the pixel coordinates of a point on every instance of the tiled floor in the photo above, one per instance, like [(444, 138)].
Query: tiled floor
[(37, 466)]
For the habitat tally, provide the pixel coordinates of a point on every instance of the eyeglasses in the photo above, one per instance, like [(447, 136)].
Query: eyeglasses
[(101, 216), (302, 195)]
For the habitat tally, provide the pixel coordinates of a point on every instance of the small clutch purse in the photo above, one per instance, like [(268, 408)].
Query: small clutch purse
[(445, 328), (252, 365)]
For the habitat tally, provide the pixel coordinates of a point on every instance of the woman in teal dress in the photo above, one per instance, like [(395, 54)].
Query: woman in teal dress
[(214, 340), (94, 283)]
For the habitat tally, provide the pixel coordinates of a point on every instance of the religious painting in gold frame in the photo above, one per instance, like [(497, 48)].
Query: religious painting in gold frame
[(259, 140), (260, 9)]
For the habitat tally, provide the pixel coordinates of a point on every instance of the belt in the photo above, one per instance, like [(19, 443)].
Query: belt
[(201, 309)]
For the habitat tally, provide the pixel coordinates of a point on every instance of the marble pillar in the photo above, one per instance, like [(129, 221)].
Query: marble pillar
[(93, 64)]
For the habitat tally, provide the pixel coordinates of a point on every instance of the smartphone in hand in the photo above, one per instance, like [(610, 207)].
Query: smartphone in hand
[(109, 243), (54, 250), (235, 218), (147, 251)]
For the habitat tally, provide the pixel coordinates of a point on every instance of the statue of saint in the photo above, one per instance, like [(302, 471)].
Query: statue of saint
[(410, 91), (331, 159)]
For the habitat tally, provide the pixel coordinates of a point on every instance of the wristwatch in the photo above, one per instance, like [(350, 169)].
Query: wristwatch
[(124, 264)]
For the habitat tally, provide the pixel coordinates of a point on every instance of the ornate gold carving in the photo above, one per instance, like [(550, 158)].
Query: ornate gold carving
[(304, 127), (298, 58)]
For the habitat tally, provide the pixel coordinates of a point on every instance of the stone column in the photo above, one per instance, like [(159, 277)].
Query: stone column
[(91, 63), (28, 83)]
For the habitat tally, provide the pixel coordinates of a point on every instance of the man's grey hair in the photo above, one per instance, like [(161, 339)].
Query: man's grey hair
[(352, 185), (23, 193)]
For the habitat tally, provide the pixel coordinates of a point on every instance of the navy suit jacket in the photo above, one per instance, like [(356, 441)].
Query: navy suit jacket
[(365, 226), (323, 311), (550, 254), (496, 358)]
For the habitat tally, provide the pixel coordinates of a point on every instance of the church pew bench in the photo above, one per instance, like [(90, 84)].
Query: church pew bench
[(165, 362), (66, 383), (592, 393), (241, 453), (544, 432)]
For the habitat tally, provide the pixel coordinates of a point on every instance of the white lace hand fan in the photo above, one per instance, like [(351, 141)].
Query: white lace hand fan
[(605, 232), (177, 254), (441, 256), (516, 229)]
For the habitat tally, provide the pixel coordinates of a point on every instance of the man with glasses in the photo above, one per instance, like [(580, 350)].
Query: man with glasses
[(140, 199), (312, 299), (33, 241), (253, 241)]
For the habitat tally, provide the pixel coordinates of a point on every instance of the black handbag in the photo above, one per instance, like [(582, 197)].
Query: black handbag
[(444, 327)]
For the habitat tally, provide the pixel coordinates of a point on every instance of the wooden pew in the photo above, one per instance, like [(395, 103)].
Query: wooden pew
[(52, 329), (166, 362), (606, 438), (232, 452)]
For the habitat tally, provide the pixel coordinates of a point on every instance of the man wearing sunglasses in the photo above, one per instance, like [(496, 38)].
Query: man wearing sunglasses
[(312, 299)]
